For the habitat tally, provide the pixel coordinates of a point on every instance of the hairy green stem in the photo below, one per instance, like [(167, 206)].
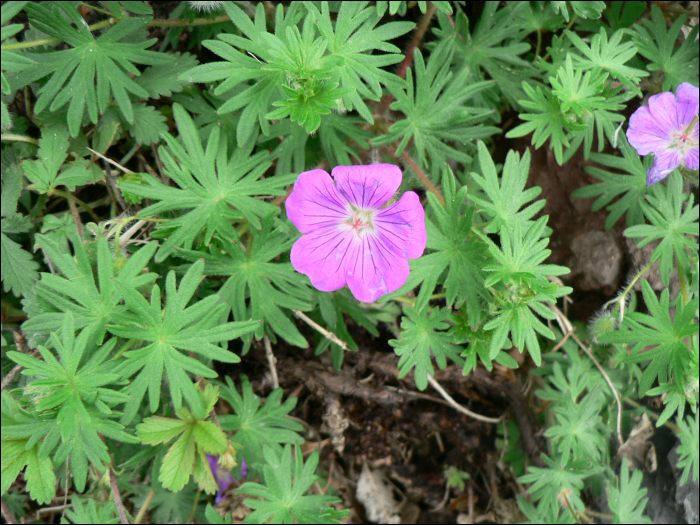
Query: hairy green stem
[(144, 507), (620, 300), (423, 178), (19, 138)]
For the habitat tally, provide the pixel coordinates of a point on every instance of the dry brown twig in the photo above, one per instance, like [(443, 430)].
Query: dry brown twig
[(272, 361), (457, 406), (330, 335)]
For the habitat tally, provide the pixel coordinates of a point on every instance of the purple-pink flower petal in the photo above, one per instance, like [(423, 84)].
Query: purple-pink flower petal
[(348, 239), (663, 128), (315, 202), (404, 225), (367, 186)]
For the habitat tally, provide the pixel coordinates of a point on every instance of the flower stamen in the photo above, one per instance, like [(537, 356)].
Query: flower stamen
[(356, 225)]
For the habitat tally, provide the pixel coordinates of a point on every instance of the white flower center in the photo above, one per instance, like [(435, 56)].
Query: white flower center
[(359, 222), (682, 142)]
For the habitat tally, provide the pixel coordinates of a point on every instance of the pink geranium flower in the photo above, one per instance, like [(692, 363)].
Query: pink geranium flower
[(668, 128), (349, 239)]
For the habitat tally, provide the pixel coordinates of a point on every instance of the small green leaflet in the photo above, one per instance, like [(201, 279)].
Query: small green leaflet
[(53, 151), (421, 335), (73, 71), (627, 501), (212, 187), (10, 61), (269, 286), (194, 328), (18, 269), (188, 454), (20, 448), (256, 427), (283, 499), (689, 449)]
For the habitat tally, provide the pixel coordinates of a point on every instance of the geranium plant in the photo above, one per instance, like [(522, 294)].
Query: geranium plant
[(197, 204)]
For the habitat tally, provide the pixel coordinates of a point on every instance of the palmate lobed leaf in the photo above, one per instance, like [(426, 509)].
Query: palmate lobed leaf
[(178, 328), (73, 400), (627, 501), (269, 287), (456, 250), (283, 499), (631, 186), (210, 185), (73, 71), (435, 110), (353, 42), (657, 43), (93, 300), (421, 336), (674, 220), (658, 339), (493, 47), (256, 427)]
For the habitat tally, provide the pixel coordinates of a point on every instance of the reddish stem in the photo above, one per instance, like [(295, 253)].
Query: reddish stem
[(403, 68)]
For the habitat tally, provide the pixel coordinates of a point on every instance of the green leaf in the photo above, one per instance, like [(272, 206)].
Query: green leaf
[(493, 48), (628, 502), (188, 454), (521, 287), (77, 397), (658, 44), (549, 483), (166, 79), (631, 186), (178, 328), (421, 335), (507, 196), (353, 44), (462, 254), (435, 110), (547, 121), (91, 71), (11, 61), (210, 184), (148, 124), (21, 432), (91, 512), (580, 431), (256, 427), (270, 287), (18, 269), (92, 299), (658, 339), (609, 55), (674, 220), (689, 449), (337, 134), (282, 499)]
